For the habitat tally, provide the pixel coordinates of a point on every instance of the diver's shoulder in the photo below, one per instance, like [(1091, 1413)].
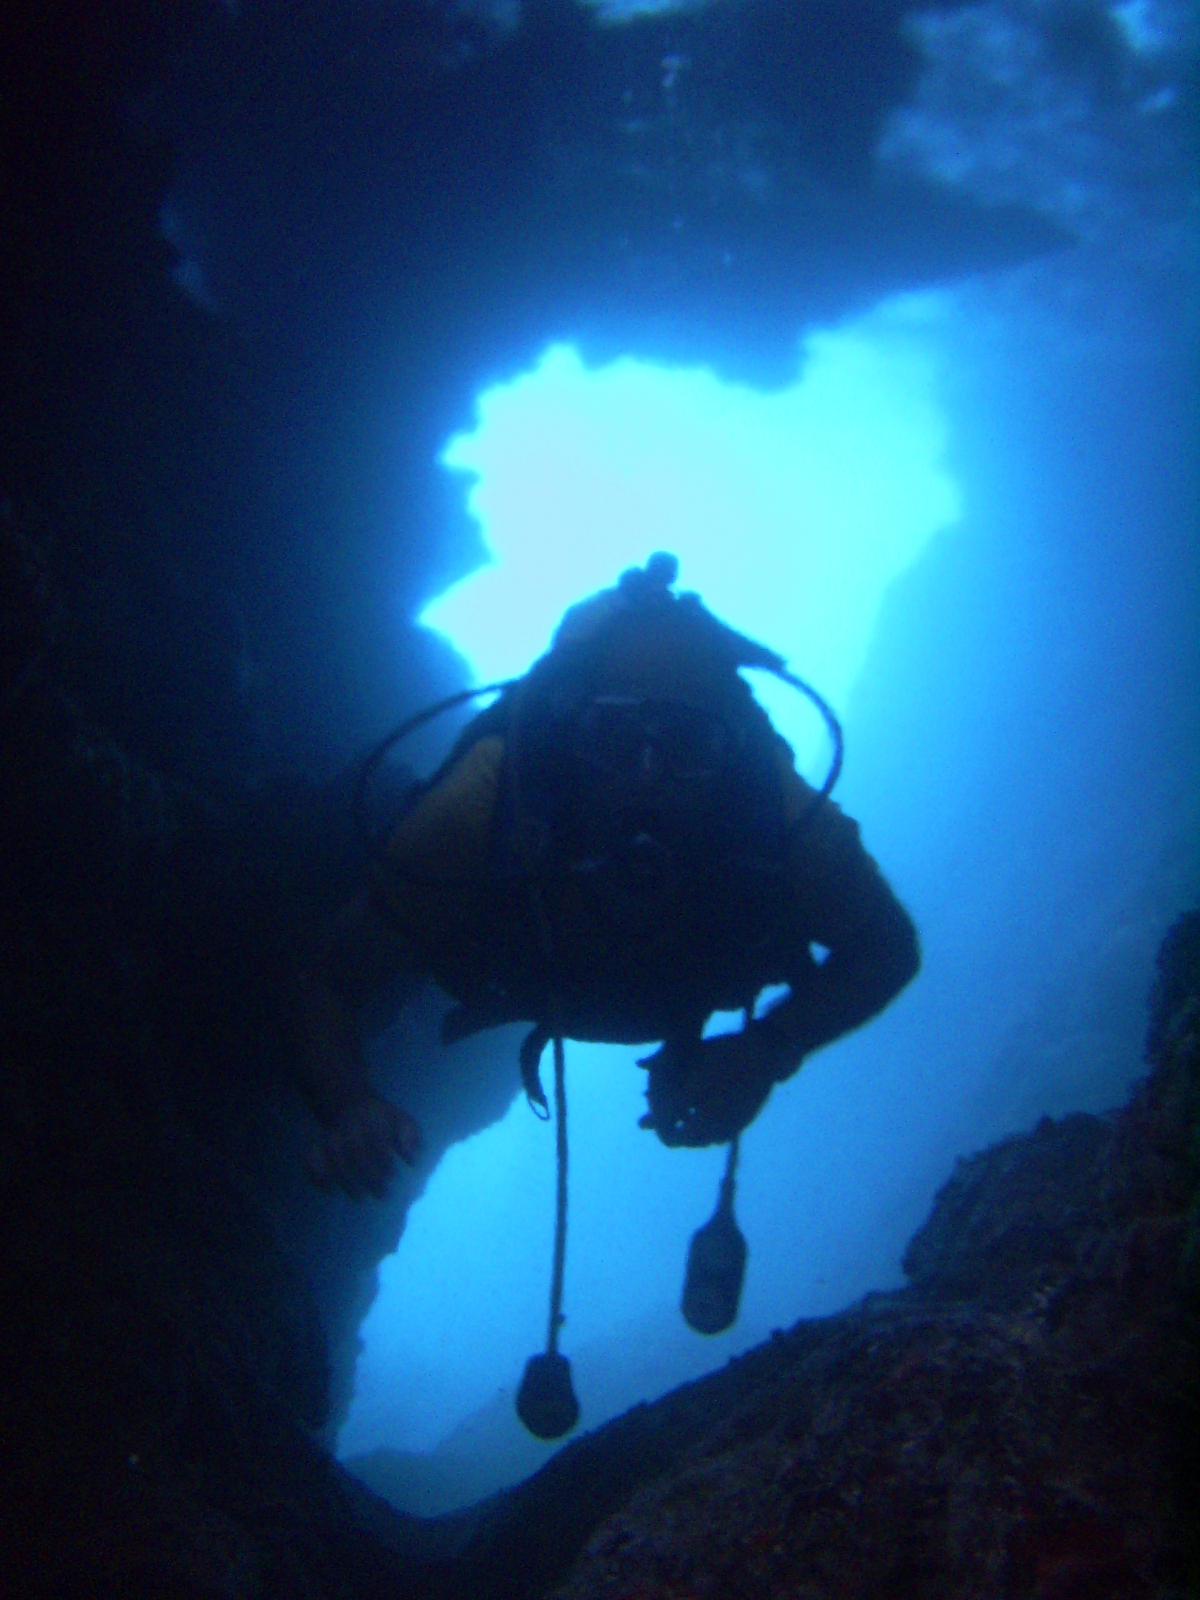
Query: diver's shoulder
[(828, 824)]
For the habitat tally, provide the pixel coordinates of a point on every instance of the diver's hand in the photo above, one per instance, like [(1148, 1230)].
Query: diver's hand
[(709, 1092), (357, 1153)]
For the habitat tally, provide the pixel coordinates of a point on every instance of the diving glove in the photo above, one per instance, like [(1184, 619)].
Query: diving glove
[(707, 1091)]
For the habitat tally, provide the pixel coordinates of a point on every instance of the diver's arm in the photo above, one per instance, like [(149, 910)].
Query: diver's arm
[(332, 1071), (860, 976), (362, 1132), (437, 852), (844, 903), (704, 1092)]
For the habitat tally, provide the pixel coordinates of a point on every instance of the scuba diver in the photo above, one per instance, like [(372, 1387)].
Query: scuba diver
[(616, 848)]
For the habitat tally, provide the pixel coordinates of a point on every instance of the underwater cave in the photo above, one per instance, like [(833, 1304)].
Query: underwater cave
[(346, 347)]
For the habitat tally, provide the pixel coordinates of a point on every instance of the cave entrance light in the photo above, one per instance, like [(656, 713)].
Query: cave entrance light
[(790, 512)]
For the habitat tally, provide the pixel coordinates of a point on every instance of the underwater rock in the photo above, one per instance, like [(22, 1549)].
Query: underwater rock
[(1010, 1214)]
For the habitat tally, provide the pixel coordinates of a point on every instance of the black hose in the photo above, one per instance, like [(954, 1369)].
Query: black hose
[(729, 1181), (835, 734), (374, 758), (560, 1209)]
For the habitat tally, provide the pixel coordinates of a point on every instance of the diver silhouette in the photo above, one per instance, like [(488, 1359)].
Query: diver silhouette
[(616, 848)]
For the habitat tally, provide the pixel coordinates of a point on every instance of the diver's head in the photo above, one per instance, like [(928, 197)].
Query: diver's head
[(655, 743), (658, 723), (651, 779)]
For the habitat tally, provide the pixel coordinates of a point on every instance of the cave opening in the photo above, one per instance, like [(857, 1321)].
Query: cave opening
[(792, 512)]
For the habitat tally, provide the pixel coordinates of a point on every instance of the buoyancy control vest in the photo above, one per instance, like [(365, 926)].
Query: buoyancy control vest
[(642, 797)]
